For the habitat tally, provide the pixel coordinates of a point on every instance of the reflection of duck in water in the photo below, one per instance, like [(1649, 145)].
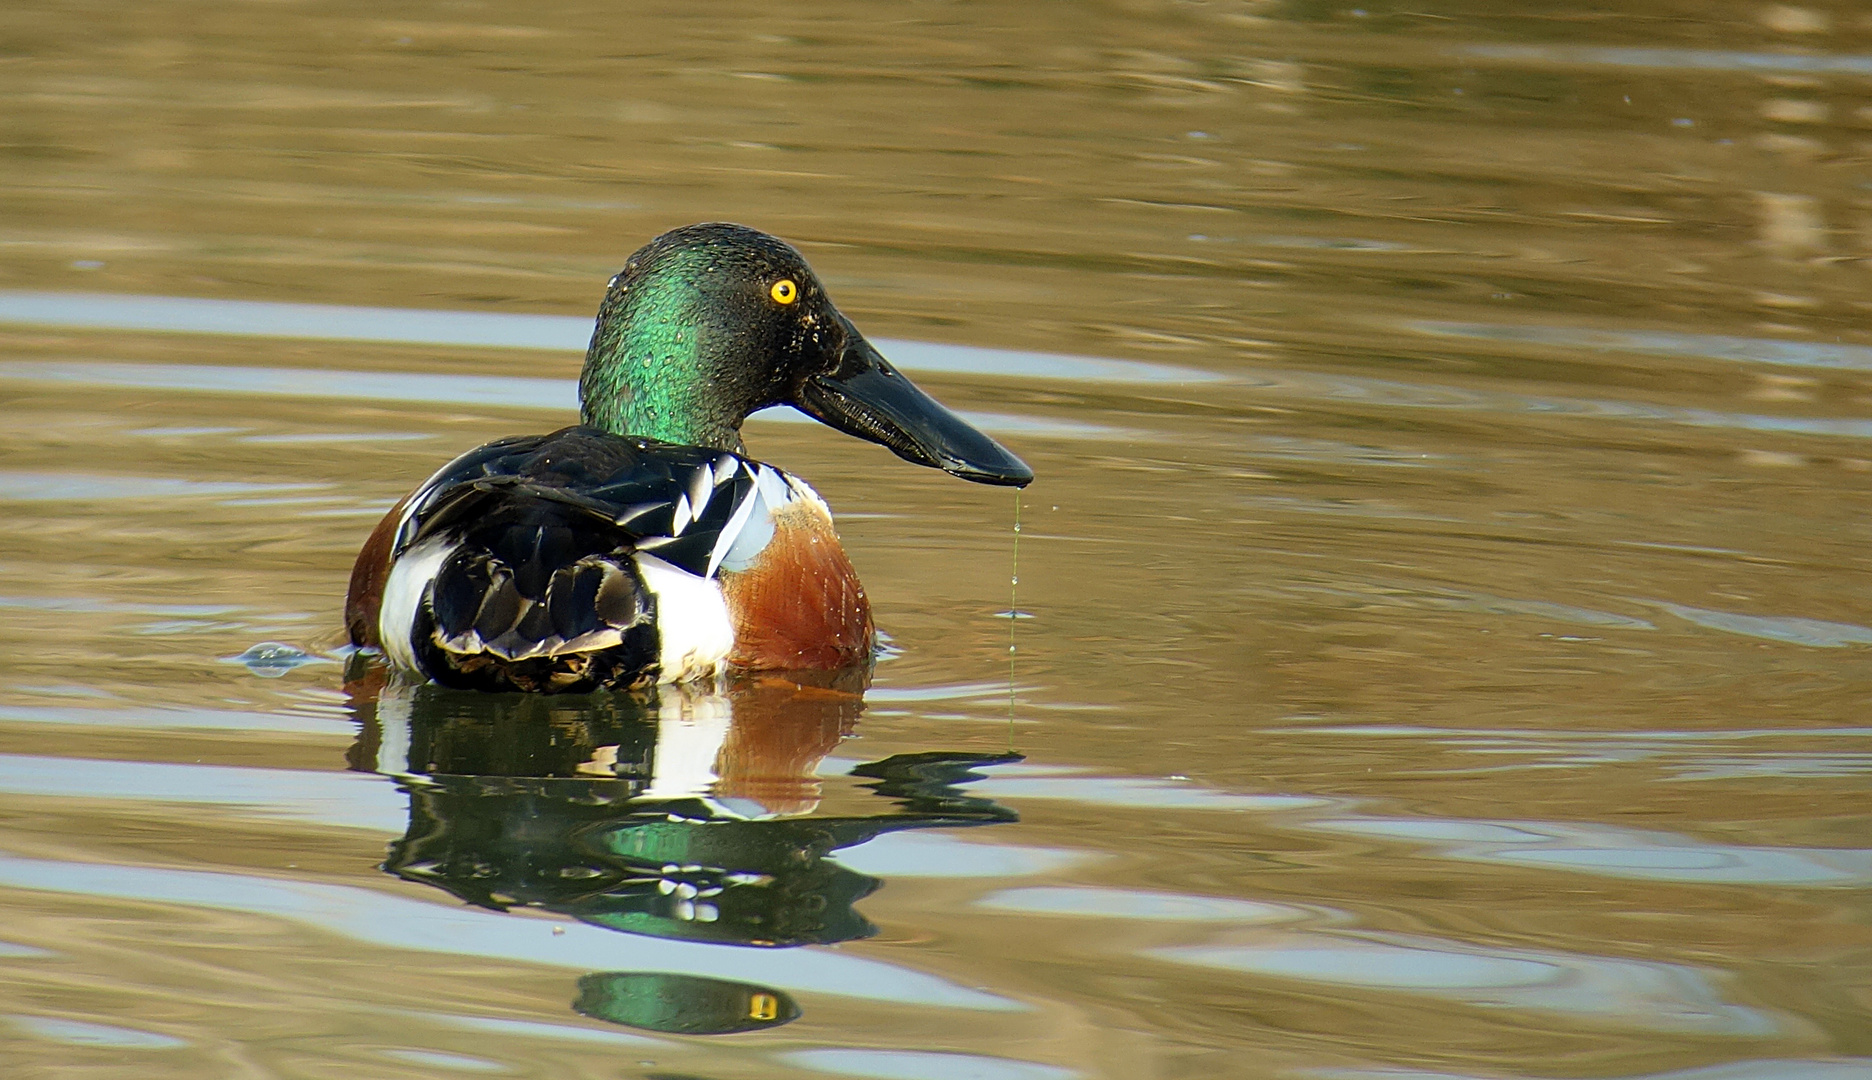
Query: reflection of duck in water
[(672, 813), (641, 547)]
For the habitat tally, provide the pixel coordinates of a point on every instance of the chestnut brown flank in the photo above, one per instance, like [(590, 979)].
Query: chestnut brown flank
[(365, 596), (800, 604)]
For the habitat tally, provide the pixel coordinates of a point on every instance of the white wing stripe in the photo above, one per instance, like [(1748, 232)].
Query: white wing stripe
[(726, 467), (701, 488), (773, 485), (731, 532)]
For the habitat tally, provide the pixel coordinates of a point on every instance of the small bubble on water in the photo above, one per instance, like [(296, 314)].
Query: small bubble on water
[(271, 659)]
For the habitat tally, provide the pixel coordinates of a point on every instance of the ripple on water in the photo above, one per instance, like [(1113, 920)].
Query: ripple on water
[(87, 1033), (170, 719), (1619, 852), (920, 1065), (1016, 782), (1445, 598), (85, 487), (1665, 59), (1603, 990), (1136, 904), (443, 1060), (1792, 629), (1682, 755), (1758, 1069), (934, 855), (537, 1029)]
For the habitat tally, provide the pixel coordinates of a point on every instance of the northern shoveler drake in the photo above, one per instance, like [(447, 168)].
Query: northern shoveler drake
[(642, 545)]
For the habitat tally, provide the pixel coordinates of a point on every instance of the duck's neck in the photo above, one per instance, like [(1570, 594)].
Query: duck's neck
[(649, 371)]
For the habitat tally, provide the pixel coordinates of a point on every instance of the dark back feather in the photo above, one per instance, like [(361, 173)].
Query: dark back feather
[(647, 489), (540, 590)]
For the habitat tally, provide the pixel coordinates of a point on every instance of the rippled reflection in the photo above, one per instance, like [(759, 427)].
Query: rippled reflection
[(680, 813)]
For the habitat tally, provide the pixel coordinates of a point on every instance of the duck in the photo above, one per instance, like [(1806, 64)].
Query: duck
[(642, 546)]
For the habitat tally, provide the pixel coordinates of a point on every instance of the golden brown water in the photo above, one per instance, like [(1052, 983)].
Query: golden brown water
[(1451, 619)]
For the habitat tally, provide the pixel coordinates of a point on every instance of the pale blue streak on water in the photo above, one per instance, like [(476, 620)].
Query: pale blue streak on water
[(1805, 354), (86, 487), (500, 391), (1665, 59), (386, 919), (1756, 1069), (1091, 901), (538, 1029), (82, 1033), (444, 1060), (1792, 629), (1633, 993), (1612, 851), (163, 719), (920, 1065), (339, 799)]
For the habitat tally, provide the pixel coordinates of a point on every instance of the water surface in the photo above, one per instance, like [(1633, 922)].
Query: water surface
[(1448, 568)]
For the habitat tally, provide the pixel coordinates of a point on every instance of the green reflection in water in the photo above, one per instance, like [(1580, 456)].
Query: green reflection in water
[(670, 813)]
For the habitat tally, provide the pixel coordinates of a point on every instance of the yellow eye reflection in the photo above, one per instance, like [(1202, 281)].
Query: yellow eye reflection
[(784, 291)]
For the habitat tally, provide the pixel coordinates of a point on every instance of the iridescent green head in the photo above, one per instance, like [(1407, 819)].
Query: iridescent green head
[(709, 323)]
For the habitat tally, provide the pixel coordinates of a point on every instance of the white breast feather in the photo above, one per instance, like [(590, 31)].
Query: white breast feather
[(692, 620), (403, 594)]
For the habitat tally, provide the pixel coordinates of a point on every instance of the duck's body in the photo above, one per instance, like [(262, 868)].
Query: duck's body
[(581, 559), (642, 546)]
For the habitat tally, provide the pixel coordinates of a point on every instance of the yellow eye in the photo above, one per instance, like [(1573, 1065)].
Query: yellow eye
[(784, 291)]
